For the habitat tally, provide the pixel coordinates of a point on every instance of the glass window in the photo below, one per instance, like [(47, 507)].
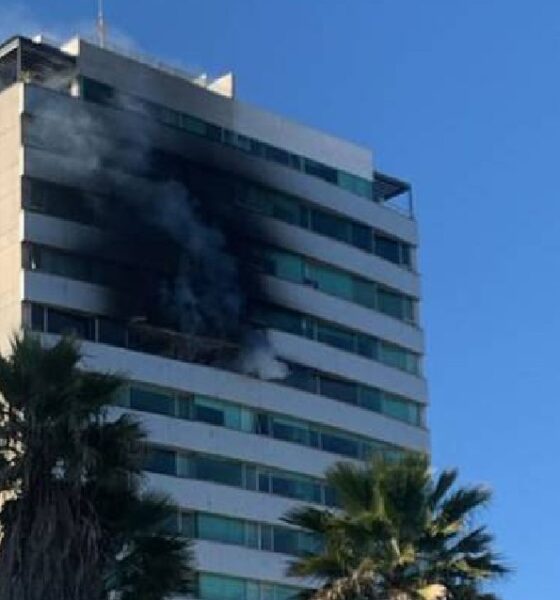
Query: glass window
[(368, 346), (184, 404), (64, 323), (264, 482), (362, 237), (250, 478), (301, 378), (339, 389), (213, 132), (335, 336), (364, 293), (286, 266), (192, 125), (286, 593), (391, 303), (398, 409), (406, 255), (292, 487), (277, 155), (330, 225), (285, 320), (284, 208), (330, 281), (285, 540), (290, 431), (339, 445), (151, 401), (37, 317), (267, 542), (221, 529), (215, 412), (188, 524), (252, 530), (219, 587), (160, 461), (392, 355), (225, 472), (320, 170), (370, 398), (387, 248), (111, 332)]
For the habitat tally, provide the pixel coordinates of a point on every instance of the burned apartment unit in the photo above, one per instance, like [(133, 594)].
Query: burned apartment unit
[(254, 279)]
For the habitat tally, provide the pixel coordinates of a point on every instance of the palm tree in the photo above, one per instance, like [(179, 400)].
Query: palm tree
[(400, 534), (75, 522)]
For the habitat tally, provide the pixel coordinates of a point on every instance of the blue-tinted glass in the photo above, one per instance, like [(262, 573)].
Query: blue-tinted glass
[(111, 332), (391, 303), (160, 461), (339, 389), (339, 445), (285, 540), (219, 471), (364, 293), (70, 324), (370, 398), (388, 248), (37, 317), (219, 587), (362, 237), (301, 378), (288, 430), (320, 170), (367, 346), (221, 529), (151, 401), (335, 336), (331, 225), (264, 483)]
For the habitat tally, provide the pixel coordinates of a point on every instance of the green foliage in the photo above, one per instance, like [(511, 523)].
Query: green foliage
[(399, 535), (76, 522)]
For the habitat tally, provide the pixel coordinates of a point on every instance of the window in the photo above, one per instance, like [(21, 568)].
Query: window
[(64, 323), (340, 445), (387, 248), (302, 378), (370, 398), (290, 431), (320, 170), (365, 293), (160, 461), (151, 401), (37, 317), (362, 237), (330, 225), (221, 529), (219, 587), (215, 412), (111, 332), (339, 389), (217, 470), (292, 487), (335, 336), (285, 266), (330, 281)]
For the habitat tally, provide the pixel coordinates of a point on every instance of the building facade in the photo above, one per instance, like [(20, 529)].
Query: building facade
[(254, 279)]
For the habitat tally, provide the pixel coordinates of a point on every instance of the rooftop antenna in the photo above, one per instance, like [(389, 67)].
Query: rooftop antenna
[(101, 27)]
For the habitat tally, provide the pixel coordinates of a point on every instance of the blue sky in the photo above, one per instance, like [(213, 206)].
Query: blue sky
[(463, 100)]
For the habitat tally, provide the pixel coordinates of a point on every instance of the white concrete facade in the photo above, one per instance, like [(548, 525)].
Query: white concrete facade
[(21, 287)]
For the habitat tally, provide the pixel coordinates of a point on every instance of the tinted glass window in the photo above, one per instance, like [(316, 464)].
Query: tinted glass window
[(340, 445), (219, 471), (339, 389), (160, 461), (319, 170), (330, 225), (221, 529), (334, 336), (111, 332), (151, 401), (37, 317), (387, 248), (70, 324)]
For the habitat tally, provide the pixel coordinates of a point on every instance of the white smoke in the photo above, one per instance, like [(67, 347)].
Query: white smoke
[(259, 359)]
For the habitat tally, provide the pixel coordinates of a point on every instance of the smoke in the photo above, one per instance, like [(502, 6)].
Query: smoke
[(181, 231), (258, 358)]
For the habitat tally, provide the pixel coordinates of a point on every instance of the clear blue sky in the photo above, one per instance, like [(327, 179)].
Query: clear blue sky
[(463, 99)]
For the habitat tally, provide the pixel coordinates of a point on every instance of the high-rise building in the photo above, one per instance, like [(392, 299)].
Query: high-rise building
[(254, 279)]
